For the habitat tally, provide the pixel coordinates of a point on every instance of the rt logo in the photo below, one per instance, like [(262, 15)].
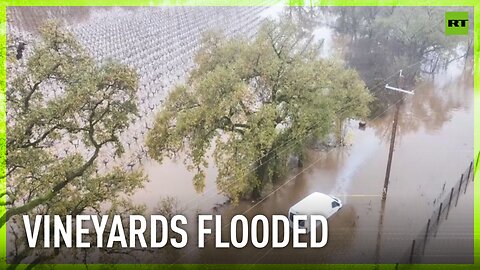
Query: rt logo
[(456, 23)]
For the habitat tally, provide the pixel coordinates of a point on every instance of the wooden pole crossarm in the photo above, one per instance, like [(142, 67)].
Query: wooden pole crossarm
[(398, 89)]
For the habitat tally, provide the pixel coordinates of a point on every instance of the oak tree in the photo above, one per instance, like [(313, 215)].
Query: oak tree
[(64, 109), (254, 103)]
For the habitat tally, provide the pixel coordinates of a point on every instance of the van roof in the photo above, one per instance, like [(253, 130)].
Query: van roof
[(315, 203)]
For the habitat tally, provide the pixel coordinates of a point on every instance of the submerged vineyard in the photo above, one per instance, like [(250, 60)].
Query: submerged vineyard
[(159, 43)]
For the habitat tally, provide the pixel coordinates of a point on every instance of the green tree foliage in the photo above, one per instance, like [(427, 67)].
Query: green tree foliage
[(416, 31), (58, 96), (256, 103), (384, 40)]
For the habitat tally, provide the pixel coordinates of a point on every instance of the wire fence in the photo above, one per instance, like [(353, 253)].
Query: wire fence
[(415, 252)]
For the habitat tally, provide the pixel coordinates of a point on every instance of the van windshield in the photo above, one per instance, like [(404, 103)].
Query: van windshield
[(301, 223)]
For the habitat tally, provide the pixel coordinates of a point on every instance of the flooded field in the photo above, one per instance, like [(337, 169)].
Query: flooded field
[(434, 146), (355, 174)]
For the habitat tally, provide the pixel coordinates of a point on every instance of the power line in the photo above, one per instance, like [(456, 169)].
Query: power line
[(289, 143), (288, 181), (313, 163)]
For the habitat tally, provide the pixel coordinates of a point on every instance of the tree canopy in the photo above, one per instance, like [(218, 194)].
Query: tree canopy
[(255, 103), (63, 110), (387, 39)]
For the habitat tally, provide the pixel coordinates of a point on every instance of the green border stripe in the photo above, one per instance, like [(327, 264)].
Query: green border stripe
[(476, 143), (3, 130), (239, 2)]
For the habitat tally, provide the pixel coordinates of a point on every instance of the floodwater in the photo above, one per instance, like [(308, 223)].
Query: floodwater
[(434, 145)]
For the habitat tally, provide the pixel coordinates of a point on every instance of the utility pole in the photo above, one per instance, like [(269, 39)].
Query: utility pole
[(394, 132), (390, 152), (389, 164)]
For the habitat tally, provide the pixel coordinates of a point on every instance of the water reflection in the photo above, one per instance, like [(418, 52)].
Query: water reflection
[(432, 105), (397, 46), (362, 231)]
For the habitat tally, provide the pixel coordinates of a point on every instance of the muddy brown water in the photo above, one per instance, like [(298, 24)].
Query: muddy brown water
[(434, 145)]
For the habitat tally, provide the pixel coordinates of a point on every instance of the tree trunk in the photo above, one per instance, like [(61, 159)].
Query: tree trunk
[(339, 131), (262, 173)]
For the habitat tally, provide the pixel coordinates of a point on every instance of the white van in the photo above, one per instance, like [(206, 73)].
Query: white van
[(314, 204)]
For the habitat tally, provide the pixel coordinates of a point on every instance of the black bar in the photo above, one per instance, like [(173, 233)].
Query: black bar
[(428, 227), (466, 185), (411, 252), (459, 187), (426, 235), (439, 212), (470, 170), (449, 202)]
